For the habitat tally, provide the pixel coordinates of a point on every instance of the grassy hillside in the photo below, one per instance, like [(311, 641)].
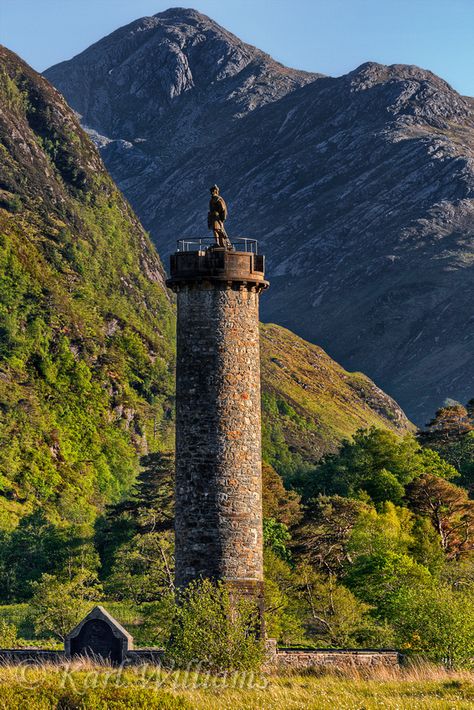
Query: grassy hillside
[(310, 403), (86, 324)]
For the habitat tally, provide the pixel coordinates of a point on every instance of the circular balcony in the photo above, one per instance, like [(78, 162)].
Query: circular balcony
[(201, 260)]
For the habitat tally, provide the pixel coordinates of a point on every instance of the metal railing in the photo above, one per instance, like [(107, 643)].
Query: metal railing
[(203, 243)]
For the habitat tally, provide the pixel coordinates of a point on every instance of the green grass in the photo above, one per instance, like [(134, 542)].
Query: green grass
[(91, 687)]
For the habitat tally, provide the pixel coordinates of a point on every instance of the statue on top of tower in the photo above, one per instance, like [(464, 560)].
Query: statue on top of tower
[(216, 217)]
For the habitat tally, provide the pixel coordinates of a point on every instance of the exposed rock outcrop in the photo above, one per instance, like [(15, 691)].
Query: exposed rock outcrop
[(360, 188)]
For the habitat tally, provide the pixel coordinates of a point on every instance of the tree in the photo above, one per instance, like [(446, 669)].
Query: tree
[(437, 622), (143, 568), (148, 510), (38, 546), (377, 463), (279, 503), (379, 531), (284, 610), (334, 616), (57, 606), (450, 511), (425, 546), (376, 579), (461, 455), (451, 434), (449, 424), (323, 536), (276, 537), (151, 502)]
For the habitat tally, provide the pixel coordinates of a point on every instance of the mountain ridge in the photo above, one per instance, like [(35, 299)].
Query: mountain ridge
[(360, 189)]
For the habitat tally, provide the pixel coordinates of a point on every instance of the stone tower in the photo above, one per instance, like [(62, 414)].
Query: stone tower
[(218, 528)]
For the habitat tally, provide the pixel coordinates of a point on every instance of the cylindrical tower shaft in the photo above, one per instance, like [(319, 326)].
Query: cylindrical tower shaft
[(218, 524)]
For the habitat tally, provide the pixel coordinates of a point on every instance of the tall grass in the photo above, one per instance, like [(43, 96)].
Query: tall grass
[(85, 685)]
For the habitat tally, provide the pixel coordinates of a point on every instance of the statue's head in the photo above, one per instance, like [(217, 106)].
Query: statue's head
[(214, 190)]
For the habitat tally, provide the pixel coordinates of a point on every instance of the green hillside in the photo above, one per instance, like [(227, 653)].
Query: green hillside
[(310, 403), (86, 324)]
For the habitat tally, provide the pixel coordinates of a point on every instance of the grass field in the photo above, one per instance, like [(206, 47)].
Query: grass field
[(83, 686)]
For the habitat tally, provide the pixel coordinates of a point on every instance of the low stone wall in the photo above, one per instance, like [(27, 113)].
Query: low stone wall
[(30, 655), (298, 659), (277, 659), (145, 655)]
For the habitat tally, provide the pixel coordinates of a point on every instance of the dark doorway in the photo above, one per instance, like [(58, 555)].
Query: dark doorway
[(97, 639)]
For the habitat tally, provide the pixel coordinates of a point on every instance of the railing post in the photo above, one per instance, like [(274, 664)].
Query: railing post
[(244, 244)]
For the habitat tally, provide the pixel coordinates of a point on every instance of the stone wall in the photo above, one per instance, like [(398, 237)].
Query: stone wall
[(291, 659), (281, 660), (218, 435), (38, 656)]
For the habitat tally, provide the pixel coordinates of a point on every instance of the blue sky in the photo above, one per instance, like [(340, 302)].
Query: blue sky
[(328, 36)]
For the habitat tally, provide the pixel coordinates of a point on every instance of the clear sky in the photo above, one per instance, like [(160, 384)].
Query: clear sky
[(328, 36)]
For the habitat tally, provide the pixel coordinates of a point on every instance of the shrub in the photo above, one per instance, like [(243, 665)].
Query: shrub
[(8, 635), (214, 630), (57, 606), (438, 623)]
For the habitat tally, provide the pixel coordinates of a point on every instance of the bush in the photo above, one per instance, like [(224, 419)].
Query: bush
[(214, 630), (8, 635), (438, 623)]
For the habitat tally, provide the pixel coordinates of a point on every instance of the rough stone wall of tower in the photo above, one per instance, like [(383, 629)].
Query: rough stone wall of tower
[(218, 444)]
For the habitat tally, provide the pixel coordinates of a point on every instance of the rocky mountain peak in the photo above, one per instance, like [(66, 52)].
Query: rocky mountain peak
[(360, 188), (148, 68), (411, 91)]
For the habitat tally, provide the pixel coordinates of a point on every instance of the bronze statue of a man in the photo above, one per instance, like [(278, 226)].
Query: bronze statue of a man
[(216, 217)]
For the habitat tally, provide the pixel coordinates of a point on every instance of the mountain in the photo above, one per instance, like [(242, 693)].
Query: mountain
[(146, 84), (87, 330), (360, 188), (86, 322)]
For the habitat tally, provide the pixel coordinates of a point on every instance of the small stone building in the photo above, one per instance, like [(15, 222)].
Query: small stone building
[(99, 635)]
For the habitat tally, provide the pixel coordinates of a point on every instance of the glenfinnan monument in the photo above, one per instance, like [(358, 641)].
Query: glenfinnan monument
[(218, 528)]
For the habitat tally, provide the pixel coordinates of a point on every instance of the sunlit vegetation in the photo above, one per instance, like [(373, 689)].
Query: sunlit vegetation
[(369, 528)]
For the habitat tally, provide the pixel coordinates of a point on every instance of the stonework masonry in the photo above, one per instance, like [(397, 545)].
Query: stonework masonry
[(296, 660), (218, 524)]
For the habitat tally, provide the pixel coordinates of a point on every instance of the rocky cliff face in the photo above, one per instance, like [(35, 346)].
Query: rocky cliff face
[(360, 188)]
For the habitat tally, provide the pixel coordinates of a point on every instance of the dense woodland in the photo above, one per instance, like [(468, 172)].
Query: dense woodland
[(373, 546)]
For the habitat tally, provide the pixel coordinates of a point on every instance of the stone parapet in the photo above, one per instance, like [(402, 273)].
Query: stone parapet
[(216, 265)]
